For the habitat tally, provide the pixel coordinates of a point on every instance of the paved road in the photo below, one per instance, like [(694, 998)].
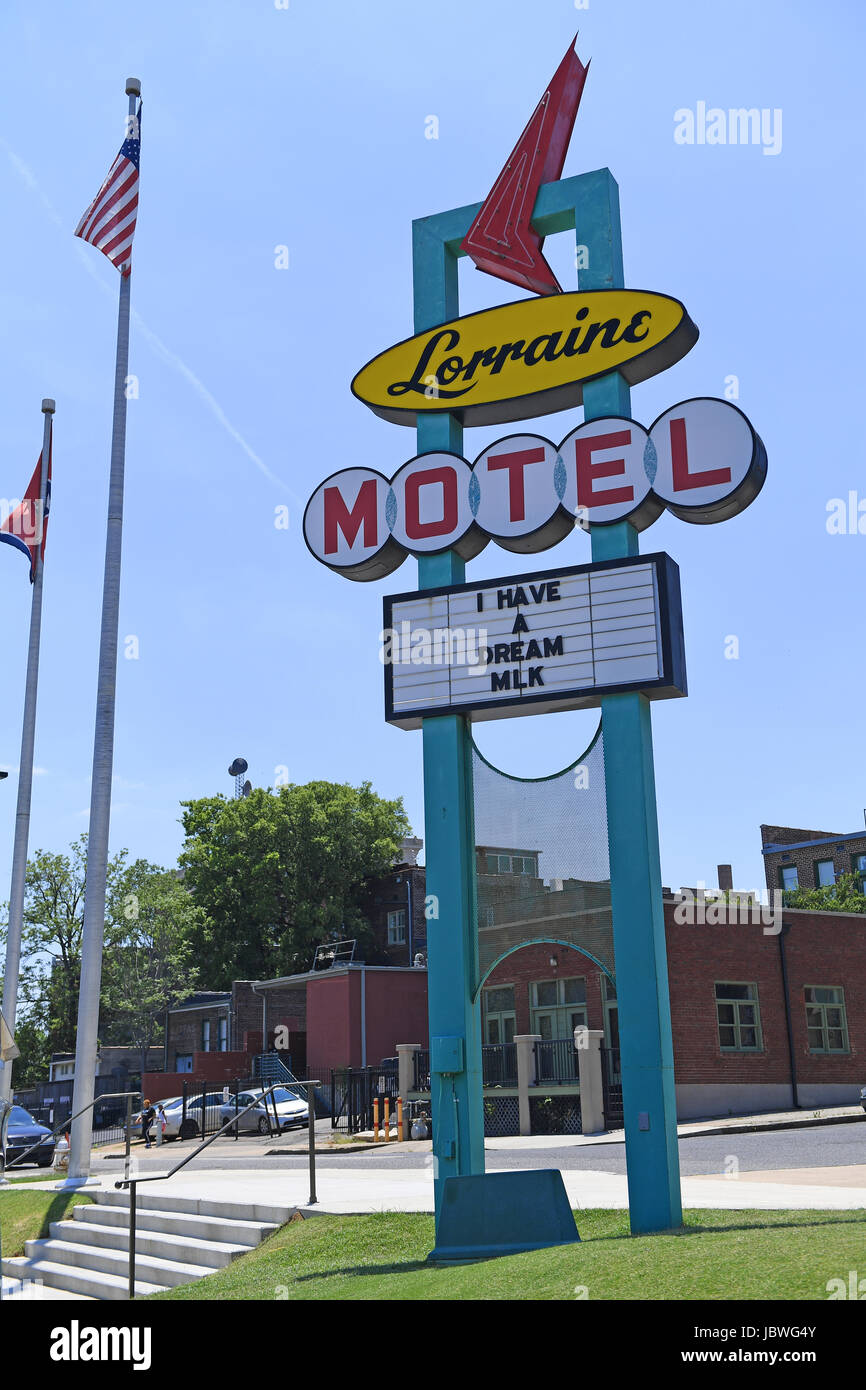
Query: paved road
[(819, 1146)]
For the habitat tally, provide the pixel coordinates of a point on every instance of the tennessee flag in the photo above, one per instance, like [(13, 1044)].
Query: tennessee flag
[(25, 527)]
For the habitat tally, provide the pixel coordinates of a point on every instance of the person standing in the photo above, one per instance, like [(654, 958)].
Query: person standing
[(148, 1115)]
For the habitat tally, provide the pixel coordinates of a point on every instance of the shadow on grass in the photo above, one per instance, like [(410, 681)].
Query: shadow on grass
[(57, 1210), (411, 1266), (404, 1267), (858, 1219)]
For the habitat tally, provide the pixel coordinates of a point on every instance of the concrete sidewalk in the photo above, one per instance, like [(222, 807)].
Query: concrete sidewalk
[(373, 1189)]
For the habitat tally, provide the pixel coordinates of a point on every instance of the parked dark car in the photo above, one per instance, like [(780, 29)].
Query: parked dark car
[(22, 1133)]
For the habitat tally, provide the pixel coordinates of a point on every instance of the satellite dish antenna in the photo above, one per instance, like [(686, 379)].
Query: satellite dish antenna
[(248, 786), (237, 770)]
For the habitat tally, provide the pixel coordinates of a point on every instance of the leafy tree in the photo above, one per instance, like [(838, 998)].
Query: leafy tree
[(276, 873), (148, 963), (51, 936), (845, 895), (31, 1037)]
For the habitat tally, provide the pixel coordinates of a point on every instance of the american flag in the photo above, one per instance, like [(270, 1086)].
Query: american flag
[(109, 222)]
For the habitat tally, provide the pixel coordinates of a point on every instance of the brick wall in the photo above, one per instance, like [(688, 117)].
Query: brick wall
[(285, 1006), (209, 1068), (185, 1029), (532, 963), (804, 860), (821, 949), (387, 895)]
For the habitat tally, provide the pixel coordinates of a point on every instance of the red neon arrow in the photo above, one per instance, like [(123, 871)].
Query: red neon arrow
[(501, 240)]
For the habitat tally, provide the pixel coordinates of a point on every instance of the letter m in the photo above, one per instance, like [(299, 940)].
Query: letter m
[(339, 518)]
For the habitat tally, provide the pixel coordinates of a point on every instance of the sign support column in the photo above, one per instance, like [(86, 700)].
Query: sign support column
[(452, 940), (646, 1046)]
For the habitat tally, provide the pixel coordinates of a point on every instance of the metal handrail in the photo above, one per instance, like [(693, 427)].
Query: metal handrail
[(62, 1128), (6, 1110), (132, 1183)]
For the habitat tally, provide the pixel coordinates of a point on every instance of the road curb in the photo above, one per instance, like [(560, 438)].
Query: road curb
[(758, 1126)]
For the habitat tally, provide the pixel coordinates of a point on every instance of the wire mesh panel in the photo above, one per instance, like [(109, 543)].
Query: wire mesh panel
[(554, 1114), (543, 871), (501, 1116)]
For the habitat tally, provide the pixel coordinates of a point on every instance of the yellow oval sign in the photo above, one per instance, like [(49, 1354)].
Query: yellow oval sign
[(527, 358)]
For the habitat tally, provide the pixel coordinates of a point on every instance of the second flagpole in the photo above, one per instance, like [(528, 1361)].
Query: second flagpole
[(17, 888), (87, 1032)]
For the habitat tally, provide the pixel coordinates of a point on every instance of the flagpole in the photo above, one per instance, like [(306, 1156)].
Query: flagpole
[(25, 767), (87, 1032)]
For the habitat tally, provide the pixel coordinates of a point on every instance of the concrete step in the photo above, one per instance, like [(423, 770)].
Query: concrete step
[(90, 1283), (211, 1254), (168, 1273), (247, 1233), (23, 1290), (156, 1199)]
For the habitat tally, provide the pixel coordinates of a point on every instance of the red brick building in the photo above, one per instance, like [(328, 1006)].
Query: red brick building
[(760, 1021), (766, 1012), (811, 858)]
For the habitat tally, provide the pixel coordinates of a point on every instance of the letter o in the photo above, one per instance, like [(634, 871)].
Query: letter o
[(433, 509)]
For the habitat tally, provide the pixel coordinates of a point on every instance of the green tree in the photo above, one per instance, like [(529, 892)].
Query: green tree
[(845, 895), (276, 873), (31, 1037), (51, 937), (148, 963)]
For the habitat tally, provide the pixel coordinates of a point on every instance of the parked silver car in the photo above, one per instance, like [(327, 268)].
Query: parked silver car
[(286, 1109)]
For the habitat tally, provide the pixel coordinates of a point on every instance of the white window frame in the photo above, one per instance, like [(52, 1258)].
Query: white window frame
[(397, 927)]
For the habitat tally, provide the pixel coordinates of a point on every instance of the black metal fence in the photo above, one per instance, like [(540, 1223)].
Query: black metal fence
[(556, 1062), (353, 1091), (421, 1080), (499, 1064), (611, 1088), (55, 1108)]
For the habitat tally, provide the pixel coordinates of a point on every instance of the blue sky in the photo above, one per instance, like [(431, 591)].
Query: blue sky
[(305, 127)]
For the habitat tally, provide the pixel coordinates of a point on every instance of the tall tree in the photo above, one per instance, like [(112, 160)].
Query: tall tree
[(51, 941), (149, 962), (276, 873)]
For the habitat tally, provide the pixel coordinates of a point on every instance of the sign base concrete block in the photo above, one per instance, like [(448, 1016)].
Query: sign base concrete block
[(494, 1214)]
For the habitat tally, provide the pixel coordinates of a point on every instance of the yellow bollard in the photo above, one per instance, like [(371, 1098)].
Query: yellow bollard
[(376, 1119), (400, 1134), (387, 1134)]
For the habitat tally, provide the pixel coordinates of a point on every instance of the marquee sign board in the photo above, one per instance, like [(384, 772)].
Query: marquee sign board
[(527, 358), (701, 459), (556, 639)]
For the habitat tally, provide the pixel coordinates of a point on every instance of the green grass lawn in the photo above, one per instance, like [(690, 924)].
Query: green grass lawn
[(718, 1255), (27, 1215)]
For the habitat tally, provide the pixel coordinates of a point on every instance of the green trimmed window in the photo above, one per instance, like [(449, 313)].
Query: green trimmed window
[(738, 1017), (826, 1024), (557, 1007), (789, 879), (512, 864), (498, 1014), (858, 866)]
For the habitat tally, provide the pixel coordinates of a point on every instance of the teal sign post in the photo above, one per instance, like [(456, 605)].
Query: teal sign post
[(701, 460), (589, 204)]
